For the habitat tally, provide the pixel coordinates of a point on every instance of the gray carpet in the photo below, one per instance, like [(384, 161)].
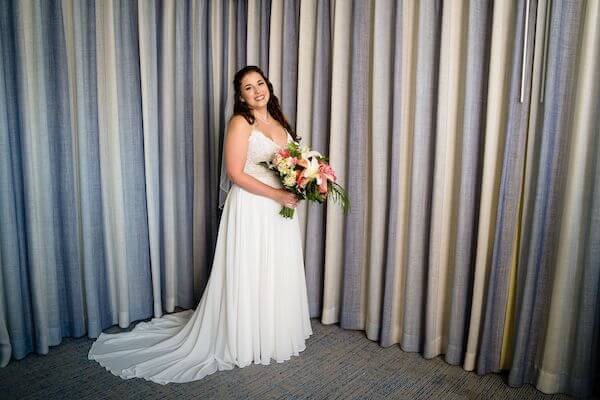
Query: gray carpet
[(337, 364)]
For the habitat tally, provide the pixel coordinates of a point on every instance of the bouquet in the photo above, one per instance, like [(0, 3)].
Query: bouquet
[(308, 175)]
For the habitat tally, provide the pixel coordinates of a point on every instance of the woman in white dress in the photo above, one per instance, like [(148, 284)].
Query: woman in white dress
[(254, 307)]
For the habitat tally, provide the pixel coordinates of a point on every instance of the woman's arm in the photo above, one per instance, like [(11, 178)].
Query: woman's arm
[(236, 146)]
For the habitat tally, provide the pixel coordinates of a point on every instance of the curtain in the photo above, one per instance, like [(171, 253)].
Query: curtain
[(111, 127), (466, 133)]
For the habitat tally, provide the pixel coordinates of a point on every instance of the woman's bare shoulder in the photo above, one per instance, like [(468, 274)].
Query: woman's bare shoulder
[(239, 125)]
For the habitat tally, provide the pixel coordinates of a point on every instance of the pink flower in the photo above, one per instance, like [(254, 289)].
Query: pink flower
[(326, 172), (285, 153), (323, 186)]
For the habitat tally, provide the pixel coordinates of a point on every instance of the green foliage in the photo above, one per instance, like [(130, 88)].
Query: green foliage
[(337, 194)]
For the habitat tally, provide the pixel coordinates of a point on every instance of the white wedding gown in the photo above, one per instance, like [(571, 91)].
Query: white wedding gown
[(254, 307)]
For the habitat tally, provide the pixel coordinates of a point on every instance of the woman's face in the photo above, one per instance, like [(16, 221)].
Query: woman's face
[(254, 90)]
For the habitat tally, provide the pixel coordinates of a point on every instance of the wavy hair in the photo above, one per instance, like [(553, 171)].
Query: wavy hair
[(273, 107)]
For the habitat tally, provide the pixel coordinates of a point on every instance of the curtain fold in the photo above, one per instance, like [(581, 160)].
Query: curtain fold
[(356, 240), (378, 152), (312, 125), (148, 39), (427, 47), (257, 33), (471, 144), (317, 135), (85, 120), (445, 173), (306, 66), (516, 104), (335, 228), (503, 25), (400, 163), (466, 134)]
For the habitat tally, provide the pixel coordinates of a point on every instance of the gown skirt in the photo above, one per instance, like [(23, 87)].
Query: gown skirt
[(254, 307)]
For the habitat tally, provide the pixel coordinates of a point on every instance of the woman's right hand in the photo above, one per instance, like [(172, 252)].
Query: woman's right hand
[(286, 198)]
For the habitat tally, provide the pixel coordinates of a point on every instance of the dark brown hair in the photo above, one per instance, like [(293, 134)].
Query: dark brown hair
[(273, 107)]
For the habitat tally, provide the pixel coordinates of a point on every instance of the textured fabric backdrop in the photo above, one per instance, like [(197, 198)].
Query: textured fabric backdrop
[(467, 134)]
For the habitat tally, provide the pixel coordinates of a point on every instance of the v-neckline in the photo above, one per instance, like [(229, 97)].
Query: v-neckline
[(271, 140)]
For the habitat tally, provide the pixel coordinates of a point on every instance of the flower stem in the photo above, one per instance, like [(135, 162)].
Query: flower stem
[(287, 212)]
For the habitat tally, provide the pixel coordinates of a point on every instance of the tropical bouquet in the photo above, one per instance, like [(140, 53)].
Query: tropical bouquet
[(308, 175)]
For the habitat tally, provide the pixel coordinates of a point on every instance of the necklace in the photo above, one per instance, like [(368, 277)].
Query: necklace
[(265, 120)]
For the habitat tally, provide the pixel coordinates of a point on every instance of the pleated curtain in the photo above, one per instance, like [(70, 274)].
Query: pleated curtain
[(467, 134), (112, 121)]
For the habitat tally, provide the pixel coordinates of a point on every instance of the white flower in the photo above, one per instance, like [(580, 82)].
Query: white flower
[(289, 180), (312, 171), (307, 155)]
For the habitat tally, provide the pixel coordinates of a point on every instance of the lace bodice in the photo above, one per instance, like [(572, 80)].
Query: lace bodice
[(261, 148)]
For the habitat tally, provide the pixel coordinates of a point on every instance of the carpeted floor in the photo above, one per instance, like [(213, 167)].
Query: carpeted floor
[(337, 364)]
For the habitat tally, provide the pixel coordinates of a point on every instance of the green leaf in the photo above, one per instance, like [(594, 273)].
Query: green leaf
[(337, 194)]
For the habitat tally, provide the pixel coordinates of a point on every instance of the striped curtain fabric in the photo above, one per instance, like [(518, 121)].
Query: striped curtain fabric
[(466, 133)]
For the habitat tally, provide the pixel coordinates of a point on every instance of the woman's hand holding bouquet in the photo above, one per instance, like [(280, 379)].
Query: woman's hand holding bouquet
[(308, 175)]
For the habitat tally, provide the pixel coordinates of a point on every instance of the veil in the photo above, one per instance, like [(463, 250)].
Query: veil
[(224, 181)]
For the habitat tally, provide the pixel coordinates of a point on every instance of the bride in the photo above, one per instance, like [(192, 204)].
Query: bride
[(254, 307)]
